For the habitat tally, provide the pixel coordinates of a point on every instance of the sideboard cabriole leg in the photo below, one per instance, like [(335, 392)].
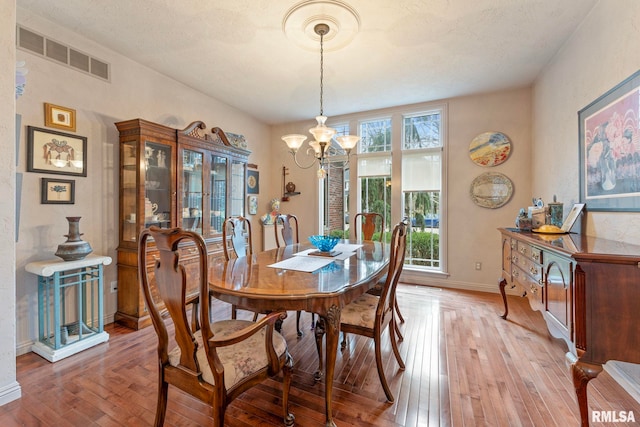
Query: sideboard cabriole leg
[(502, 283), (319, 333), (582, 373)]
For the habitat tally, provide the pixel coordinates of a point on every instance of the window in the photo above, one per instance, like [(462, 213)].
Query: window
[(374, 182), (375, 136), (374, 168), (399, 173), (421, 188), (422, 131)]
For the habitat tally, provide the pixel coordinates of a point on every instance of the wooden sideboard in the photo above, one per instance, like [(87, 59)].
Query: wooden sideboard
[(588, 291)]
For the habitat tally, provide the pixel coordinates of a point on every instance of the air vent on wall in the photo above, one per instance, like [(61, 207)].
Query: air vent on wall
[(41, 45)]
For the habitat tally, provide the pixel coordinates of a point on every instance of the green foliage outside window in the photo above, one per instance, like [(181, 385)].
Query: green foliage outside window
[(423, 246)]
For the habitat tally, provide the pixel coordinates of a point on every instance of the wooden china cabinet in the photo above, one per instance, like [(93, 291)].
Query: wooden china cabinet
[(171, 177)]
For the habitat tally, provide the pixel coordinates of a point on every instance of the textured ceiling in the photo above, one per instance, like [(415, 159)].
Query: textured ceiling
[(403, 52)]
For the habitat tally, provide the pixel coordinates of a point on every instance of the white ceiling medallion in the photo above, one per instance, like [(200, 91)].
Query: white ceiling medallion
[(299, 22)]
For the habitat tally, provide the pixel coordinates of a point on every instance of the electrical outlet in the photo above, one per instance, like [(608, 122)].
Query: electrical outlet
[(478, 265), (114, 286)]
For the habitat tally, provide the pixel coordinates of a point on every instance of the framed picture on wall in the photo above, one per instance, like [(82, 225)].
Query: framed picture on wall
[(57, 191), (253, 182), (59, 117), (55, 152), (609, 141), (252, 202)]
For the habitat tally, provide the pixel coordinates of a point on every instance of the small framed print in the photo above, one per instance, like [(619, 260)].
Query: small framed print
[(252, 201), (59, 117), (57, 191)]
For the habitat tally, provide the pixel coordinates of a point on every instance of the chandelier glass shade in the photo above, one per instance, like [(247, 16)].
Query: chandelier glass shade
[(320, 146)]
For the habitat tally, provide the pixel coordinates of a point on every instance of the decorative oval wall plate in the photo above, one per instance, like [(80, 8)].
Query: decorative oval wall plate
[(490, 149), (491, 190)]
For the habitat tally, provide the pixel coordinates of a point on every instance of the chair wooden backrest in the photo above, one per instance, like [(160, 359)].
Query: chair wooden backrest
[(236, 237), (288, 225), (396, 263), (367, 228), (189, 356)]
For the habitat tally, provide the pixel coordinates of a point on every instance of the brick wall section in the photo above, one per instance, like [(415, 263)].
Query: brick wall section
[(336, 198)]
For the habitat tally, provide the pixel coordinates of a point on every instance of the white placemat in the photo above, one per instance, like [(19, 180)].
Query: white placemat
[(303, 263), (347, 247)]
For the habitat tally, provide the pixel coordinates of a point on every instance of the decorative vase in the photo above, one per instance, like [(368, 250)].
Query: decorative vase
[(74, 248)]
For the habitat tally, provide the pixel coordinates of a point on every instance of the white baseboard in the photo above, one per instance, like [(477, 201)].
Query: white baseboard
[(10, 393), (421, 278), (24, 348), (627, 375)]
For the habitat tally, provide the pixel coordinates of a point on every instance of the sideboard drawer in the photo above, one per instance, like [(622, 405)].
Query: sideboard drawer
[(532, 268), (531, 285), (529, 251)]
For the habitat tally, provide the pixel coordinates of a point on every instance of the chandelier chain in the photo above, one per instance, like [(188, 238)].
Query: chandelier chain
[(320, 148), (321, 72)]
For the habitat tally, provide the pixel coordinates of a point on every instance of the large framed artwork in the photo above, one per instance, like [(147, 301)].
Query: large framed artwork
[(609, 139), (50, 151)]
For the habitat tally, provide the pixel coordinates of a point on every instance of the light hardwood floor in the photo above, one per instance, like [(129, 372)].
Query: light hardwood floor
[(465, 366)]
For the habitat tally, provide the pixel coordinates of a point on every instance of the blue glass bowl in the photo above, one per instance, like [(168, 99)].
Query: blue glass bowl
[(324, 243)]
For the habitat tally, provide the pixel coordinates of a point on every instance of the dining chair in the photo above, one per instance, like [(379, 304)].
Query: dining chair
[(237, 242), (236, 237), (369, 315), (368, 222), (217, 361), (287, 224)]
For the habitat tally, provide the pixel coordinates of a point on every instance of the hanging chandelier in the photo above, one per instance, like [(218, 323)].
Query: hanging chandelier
[(320, 147)]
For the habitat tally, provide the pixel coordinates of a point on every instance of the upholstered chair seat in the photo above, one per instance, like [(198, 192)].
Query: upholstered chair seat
[(241, 360), (361, 311)]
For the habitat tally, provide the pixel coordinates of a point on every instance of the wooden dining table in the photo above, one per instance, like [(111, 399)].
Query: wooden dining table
[(255, 283)]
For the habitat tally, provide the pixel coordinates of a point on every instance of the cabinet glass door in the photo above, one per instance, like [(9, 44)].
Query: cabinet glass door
[(129, 190), (192, 190), (237, 188), (218, 199), (157, 191)]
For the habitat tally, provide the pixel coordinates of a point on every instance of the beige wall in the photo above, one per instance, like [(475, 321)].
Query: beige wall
[(471, 230), (9, 388), (602, 53), (134, 91)]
